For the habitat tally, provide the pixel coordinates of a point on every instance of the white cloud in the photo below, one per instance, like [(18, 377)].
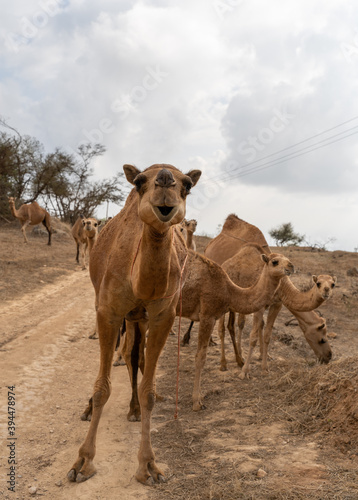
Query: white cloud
[(224, 70)]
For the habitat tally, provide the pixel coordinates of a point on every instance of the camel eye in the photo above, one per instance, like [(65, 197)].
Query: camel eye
[(333, 285), (95, 225), (275, 263), (318, 284), (187, 185), (139, 181)]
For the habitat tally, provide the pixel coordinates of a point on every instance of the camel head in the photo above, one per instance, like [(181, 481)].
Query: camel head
[(190, 225), (90, 226), (11, 200), (316, 336), (324, 285), (162, 191), (278, 265)]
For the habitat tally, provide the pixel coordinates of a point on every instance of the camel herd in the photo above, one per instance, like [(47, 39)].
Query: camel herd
[(145, 272)]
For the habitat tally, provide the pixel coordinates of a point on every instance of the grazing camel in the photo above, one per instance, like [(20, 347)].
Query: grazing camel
[(31, 214), (138, 260), (85, 233), (234, 235), (207, 294)]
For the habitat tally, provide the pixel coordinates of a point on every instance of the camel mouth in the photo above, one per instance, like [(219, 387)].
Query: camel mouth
[(164, 212), (288, 272)]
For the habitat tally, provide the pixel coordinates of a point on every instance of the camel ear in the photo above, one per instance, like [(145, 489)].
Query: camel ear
[(131, 173), (194, 176), (321, 326), (334, 279), (264, 258), (314, 278)]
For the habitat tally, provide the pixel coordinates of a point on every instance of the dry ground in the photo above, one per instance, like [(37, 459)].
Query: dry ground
[(299, 423)]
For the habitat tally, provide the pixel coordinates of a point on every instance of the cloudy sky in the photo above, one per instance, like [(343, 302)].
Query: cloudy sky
[(261, 96)]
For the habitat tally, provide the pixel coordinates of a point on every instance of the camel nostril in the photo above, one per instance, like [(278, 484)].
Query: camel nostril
[(165, 178)]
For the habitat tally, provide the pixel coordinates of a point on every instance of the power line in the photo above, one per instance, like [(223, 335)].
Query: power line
[(273, 163), (219, 177)]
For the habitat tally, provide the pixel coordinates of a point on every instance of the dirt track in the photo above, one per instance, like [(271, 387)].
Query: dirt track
[(261, 423), (53, 364)]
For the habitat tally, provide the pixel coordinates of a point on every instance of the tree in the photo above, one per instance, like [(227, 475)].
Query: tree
[(60, 181), (285, 235)]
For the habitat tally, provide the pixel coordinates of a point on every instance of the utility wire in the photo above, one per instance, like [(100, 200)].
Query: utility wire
[(273, 163), (219, 176)]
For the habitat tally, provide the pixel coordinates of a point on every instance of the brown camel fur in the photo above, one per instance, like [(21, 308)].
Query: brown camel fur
[(190, 227), (31, 214), (234, 235), (243, 269), (138, 260), (85, 233), (208, 293)]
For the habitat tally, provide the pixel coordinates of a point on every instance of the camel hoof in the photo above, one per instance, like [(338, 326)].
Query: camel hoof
[(81, 478), (149, 481), (244, 375), (223, 368), (71, 476), (85, 417), (134, 418), (93, 336), (161, 479)]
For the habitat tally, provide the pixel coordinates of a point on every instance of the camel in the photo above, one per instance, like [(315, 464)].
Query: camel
[(85, 233), (31, 214), (243, 269), (207, 294), (138, 260), (190, 227), (235, 234)]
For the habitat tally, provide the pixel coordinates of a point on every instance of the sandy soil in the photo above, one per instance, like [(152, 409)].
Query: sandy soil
[(262, 423)]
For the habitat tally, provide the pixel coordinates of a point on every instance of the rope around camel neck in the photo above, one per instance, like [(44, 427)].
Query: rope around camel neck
[(180, 315)]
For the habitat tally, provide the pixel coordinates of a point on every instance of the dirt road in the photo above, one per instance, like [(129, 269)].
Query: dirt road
[(51, 362)]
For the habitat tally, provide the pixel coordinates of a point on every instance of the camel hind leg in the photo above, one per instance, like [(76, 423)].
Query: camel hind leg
[(255, 333), (47, 224), (236, 344)]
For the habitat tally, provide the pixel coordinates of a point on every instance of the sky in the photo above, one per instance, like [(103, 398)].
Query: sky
[(261, 96)]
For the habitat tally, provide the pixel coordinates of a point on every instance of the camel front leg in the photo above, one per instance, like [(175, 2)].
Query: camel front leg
[(131, 357), (159, 327), (236, 345), (271, 318), (205, 330), (84, 468), (23, 229), (83, 255), (256, 331)]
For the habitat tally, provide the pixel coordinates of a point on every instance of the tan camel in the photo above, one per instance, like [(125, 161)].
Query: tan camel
[(85, 233), (190, 227), (31, 214), (207, 294), (243, 269), (138, 260), (234, 235)]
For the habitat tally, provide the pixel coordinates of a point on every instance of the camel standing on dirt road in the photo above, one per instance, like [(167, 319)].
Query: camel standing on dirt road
[(31, 214), (235, 234), (138, 260), (85, 233)]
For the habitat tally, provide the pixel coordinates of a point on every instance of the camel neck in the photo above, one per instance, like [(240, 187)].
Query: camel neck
[(189, 239), (13, 209), (255, 297), (293, 298), (151, 266)]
